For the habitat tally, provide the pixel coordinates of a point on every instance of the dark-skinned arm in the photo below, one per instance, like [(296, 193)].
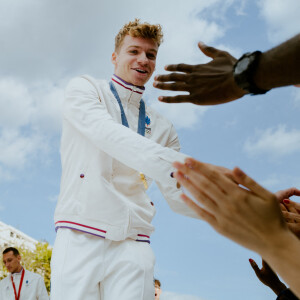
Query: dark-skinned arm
[(213, 83)]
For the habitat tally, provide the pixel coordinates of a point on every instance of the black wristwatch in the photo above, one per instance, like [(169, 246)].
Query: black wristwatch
[(244, 70)]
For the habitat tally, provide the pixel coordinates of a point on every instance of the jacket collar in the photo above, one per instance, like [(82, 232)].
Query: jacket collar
[(8, 280), (128, 92)]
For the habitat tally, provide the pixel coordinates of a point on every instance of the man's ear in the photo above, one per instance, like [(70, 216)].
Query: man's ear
[(114, 58)]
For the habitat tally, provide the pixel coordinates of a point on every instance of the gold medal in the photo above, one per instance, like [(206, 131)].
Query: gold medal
[(143, 178)]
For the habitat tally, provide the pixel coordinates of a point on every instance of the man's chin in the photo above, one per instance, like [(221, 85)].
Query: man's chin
[(140, 82), (140, 79)]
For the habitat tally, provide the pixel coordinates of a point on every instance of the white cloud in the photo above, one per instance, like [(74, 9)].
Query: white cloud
[(174, 296), (16, 148), (282, 18), (234, 51), (182, 47), (30, 116), (183, 115), (240, 9), (275, 142), (48, 108), (74, 38), (38, 104), (16, 104)]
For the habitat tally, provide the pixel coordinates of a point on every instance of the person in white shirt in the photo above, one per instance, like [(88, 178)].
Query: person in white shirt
[(20, 284), (113, 145)]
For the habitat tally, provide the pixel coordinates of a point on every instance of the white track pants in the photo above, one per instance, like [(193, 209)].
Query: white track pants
[(84, 267)]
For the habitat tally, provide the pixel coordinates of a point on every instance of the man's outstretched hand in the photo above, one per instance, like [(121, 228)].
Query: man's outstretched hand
[(207, 84)]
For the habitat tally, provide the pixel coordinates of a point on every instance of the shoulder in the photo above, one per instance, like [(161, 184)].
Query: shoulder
[(86, 82), (4, 281), (84, 88)]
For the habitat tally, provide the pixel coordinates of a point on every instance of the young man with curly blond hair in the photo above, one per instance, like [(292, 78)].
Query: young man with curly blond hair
[(112, 147)]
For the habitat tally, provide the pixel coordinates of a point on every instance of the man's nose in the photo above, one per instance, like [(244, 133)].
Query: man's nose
[(143, 59)]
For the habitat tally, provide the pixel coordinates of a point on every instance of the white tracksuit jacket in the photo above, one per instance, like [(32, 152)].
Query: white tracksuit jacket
[(101, 190), (33, 287)]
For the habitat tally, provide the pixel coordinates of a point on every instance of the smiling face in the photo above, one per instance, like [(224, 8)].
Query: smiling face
[(135, 61), (12, 262)]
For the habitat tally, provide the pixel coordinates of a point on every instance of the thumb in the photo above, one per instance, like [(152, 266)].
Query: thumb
[(208, 51)]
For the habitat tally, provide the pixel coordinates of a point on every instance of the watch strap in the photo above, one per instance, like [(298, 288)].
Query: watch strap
[(244, 79)]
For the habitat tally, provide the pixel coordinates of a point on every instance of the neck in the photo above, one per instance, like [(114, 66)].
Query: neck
[(20, 268), (129, 83)]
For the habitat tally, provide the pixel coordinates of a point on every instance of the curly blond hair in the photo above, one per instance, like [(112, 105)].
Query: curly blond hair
[(138, 29)]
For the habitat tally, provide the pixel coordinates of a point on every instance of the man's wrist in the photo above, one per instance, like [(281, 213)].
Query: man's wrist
[(286, 294), (278, 287), (244, 73)]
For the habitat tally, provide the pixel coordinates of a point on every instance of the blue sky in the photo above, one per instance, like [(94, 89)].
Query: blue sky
[(46, 43)]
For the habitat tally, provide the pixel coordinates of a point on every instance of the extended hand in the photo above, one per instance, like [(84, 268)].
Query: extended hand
[(207, 84), (251, 217), (267, 276)]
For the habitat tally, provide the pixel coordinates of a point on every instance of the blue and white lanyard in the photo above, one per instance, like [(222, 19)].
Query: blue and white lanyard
[(142, 112)]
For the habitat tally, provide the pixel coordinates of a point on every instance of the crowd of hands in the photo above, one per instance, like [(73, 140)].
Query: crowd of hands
[(233, 203), (239, 208)]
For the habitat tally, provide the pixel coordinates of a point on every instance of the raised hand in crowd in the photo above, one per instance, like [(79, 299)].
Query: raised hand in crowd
[(269, 278), (250, 217)]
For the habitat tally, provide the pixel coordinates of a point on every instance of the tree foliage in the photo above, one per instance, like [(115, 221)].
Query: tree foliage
[(37, 261)]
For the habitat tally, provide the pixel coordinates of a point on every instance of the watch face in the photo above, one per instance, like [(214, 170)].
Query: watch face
[(242, 65)]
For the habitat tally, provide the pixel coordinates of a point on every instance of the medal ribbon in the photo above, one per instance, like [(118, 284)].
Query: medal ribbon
[(141, 122), (142, 112), (20, 286)]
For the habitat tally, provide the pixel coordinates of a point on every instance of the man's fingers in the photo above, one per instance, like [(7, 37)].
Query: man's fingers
[(175, 99), (173, 86), (179, 68), (170, 77), (209, 51)]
